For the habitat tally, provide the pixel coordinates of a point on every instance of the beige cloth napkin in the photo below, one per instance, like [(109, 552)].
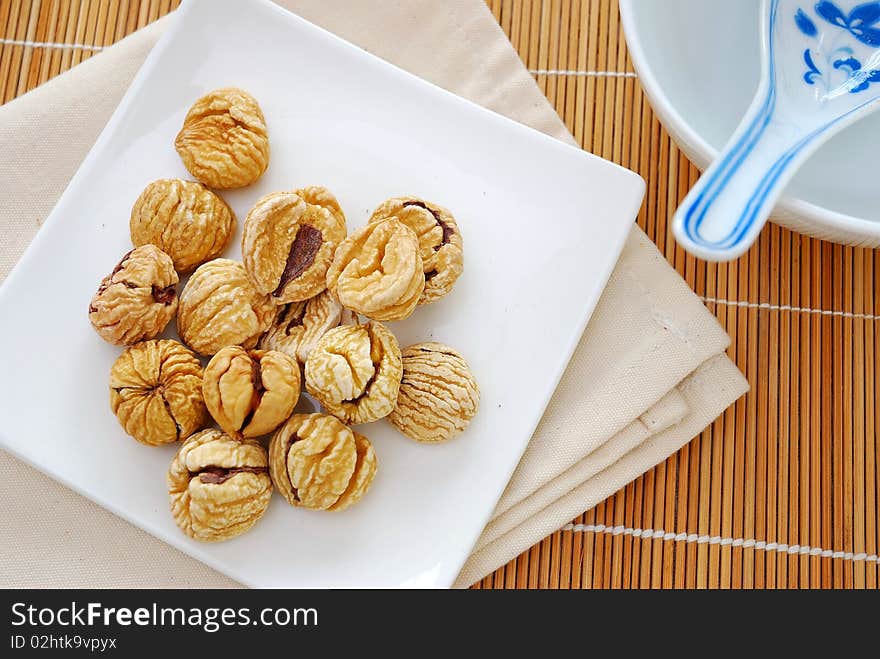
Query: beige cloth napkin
[(649, 373)]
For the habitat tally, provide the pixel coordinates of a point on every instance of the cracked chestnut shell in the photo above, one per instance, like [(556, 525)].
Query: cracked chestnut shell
[(355, 372), (138, 299), (219, 307), (438, 395), (224, 142), (156, 392), (300, 325), (318, 462), (440, 243), (250, 392), (288, 242), (377, 271), (184, 219), (219, 487)]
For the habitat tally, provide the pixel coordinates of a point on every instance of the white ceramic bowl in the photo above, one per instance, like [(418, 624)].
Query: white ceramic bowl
[(698, 63)]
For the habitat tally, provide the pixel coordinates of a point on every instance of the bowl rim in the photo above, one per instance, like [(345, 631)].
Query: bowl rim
[(828, 223)]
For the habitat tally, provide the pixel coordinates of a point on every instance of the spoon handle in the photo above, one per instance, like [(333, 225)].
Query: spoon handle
[(724, 212)]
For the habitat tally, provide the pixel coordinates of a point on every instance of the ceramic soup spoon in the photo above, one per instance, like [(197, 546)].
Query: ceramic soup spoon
[(820, 73)]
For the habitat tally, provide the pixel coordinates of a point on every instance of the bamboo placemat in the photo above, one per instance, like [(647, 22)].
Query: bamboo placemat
[(781, 491)]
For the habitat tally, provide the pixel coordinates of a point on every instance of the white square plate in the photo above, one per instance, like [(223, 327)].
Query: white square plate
[(543, 224)]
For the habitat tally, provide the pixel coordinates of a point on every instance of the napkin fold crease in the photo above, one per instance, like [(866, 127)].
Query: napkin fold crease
[(648, 375)]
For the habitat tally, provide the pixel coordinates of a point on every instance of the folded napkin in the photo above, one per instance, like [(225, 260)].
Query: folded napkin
[(649, 374)]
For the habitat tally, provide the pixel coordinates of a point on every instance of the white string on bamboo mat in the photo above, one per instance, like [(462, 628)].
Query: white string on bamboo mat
[(49, 44), (787, 307), (745, 543), (585, 74)]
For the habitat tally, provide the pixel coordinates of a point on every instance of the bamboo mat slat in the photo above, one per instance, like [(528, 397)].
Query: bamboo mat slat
[(782, 490)]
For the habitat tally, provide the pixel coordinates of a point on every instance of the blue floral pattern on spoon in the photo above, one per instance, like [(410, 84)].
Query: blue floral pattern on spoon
[(861, 23)]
